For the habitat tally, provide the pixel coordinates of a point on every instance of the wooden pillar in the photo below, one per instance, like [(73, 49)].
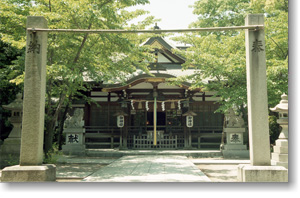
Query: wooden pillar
[(259, 142), (154, 121), (125, 132)]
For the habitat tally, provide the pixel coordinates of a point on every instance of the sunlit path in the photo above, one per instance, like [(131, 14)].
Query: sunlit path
[(149, 169)]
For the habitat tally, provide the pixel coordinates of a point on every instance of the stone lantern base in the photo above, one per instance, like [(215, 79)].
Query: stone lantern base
[(280, 155)]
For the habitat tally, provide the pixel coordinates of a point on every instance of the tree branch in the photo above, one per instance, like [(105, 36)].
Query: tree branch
[(81, 46), (279, 47), (106, 2), (50, 5), (86, 35)]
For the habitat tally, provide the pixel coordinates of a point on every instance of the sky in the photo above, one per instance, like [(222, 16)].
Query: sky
[(174, 14)]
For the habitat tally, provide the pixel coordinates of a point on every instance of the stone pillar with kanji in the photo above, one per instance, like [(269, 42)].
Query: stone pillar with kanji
[(31, 167), (259, 169), (74, 131), (234, 129)]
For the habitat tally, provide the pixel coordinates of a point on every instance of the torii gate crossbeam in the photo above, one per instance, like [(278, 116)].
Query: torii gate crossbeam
[(31, 155)]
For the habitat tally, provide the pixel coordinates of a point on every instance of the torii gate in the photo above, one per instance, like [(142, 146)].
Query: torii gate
[(31, 155)]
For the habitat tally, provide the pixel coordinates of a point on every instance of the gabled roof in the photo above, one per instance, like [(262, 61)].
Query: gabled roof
[(160, 40), (164, 50), (168, 65)]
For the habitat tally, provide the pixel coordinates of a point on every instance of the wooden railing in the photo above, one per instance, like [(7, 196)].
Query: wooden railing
[(102, 137), (109, 137), (207, 137), (163, 142)]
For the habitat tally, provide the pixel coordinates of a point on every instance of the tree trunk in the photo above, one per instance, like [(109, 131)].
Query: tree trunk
[(61, 127), (50, 124), (48, 137)]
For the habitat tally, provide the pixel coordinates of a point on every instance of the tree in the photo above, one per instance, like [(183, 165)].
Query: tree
[(75, 59), (8, 70), (220, 56)]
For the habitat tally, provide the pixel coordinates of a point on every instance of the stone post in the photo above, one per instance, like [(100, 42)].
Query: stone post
[(260, 169), (257, 93), (31, 154), (34, 94), (234, 129), (75, 134)]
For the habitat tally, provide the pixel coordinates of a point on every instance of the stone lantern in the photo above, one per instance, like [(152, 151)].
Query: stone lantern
[(280, 154), (10, 150)]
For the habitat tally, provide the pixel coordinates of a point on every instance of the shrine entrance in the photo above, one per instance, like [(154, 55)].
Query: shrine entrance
[(31, 152), (34, 97), (161, 119), (152, 109)]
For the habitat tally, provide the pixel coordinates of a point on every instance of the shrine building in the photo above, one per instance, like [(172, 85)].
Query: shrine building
[(146, 112)]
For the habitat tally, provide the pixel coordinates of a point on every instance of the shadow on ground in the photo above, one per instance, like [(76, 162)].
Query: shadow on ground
[(219, 172)]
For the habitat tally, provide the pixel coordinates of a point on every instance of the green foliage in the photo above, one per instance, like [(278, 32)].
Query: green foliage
[(52, 155), (220, 56), (274, 129), (9, 69), (12, 160), (74, 61)]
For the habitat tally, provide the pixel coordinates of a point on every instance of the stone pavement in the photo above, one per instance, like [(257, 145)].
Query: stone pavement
[(149, 168)]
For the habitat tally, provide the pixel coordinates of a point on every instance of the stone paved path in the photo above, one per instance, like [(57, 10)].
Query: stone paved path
[(150, 168)]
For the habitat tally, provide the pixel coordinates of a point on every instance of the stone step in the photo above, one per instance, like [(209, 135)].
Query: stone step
[(121, 153)]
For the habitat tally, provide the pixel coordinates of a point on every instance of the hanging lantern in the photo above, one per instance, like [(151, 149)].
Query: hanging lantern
[(189, 118), (163, 106), (172, 105), (140, 106), (120, 121), (120, 118)]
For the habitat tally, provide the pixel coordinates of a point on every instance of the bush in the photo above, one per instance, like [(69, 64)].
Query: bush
[(52, 155), (12, 160)]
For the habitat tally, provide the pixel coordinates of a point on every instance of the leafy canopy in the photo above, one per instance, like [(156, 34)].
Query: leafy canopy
[(76, 60), (220, 58)]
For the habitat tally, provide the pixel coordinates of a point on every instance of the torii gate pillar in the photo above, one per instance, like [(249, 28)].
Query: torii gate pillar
[(31, 168), (260, 169)]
